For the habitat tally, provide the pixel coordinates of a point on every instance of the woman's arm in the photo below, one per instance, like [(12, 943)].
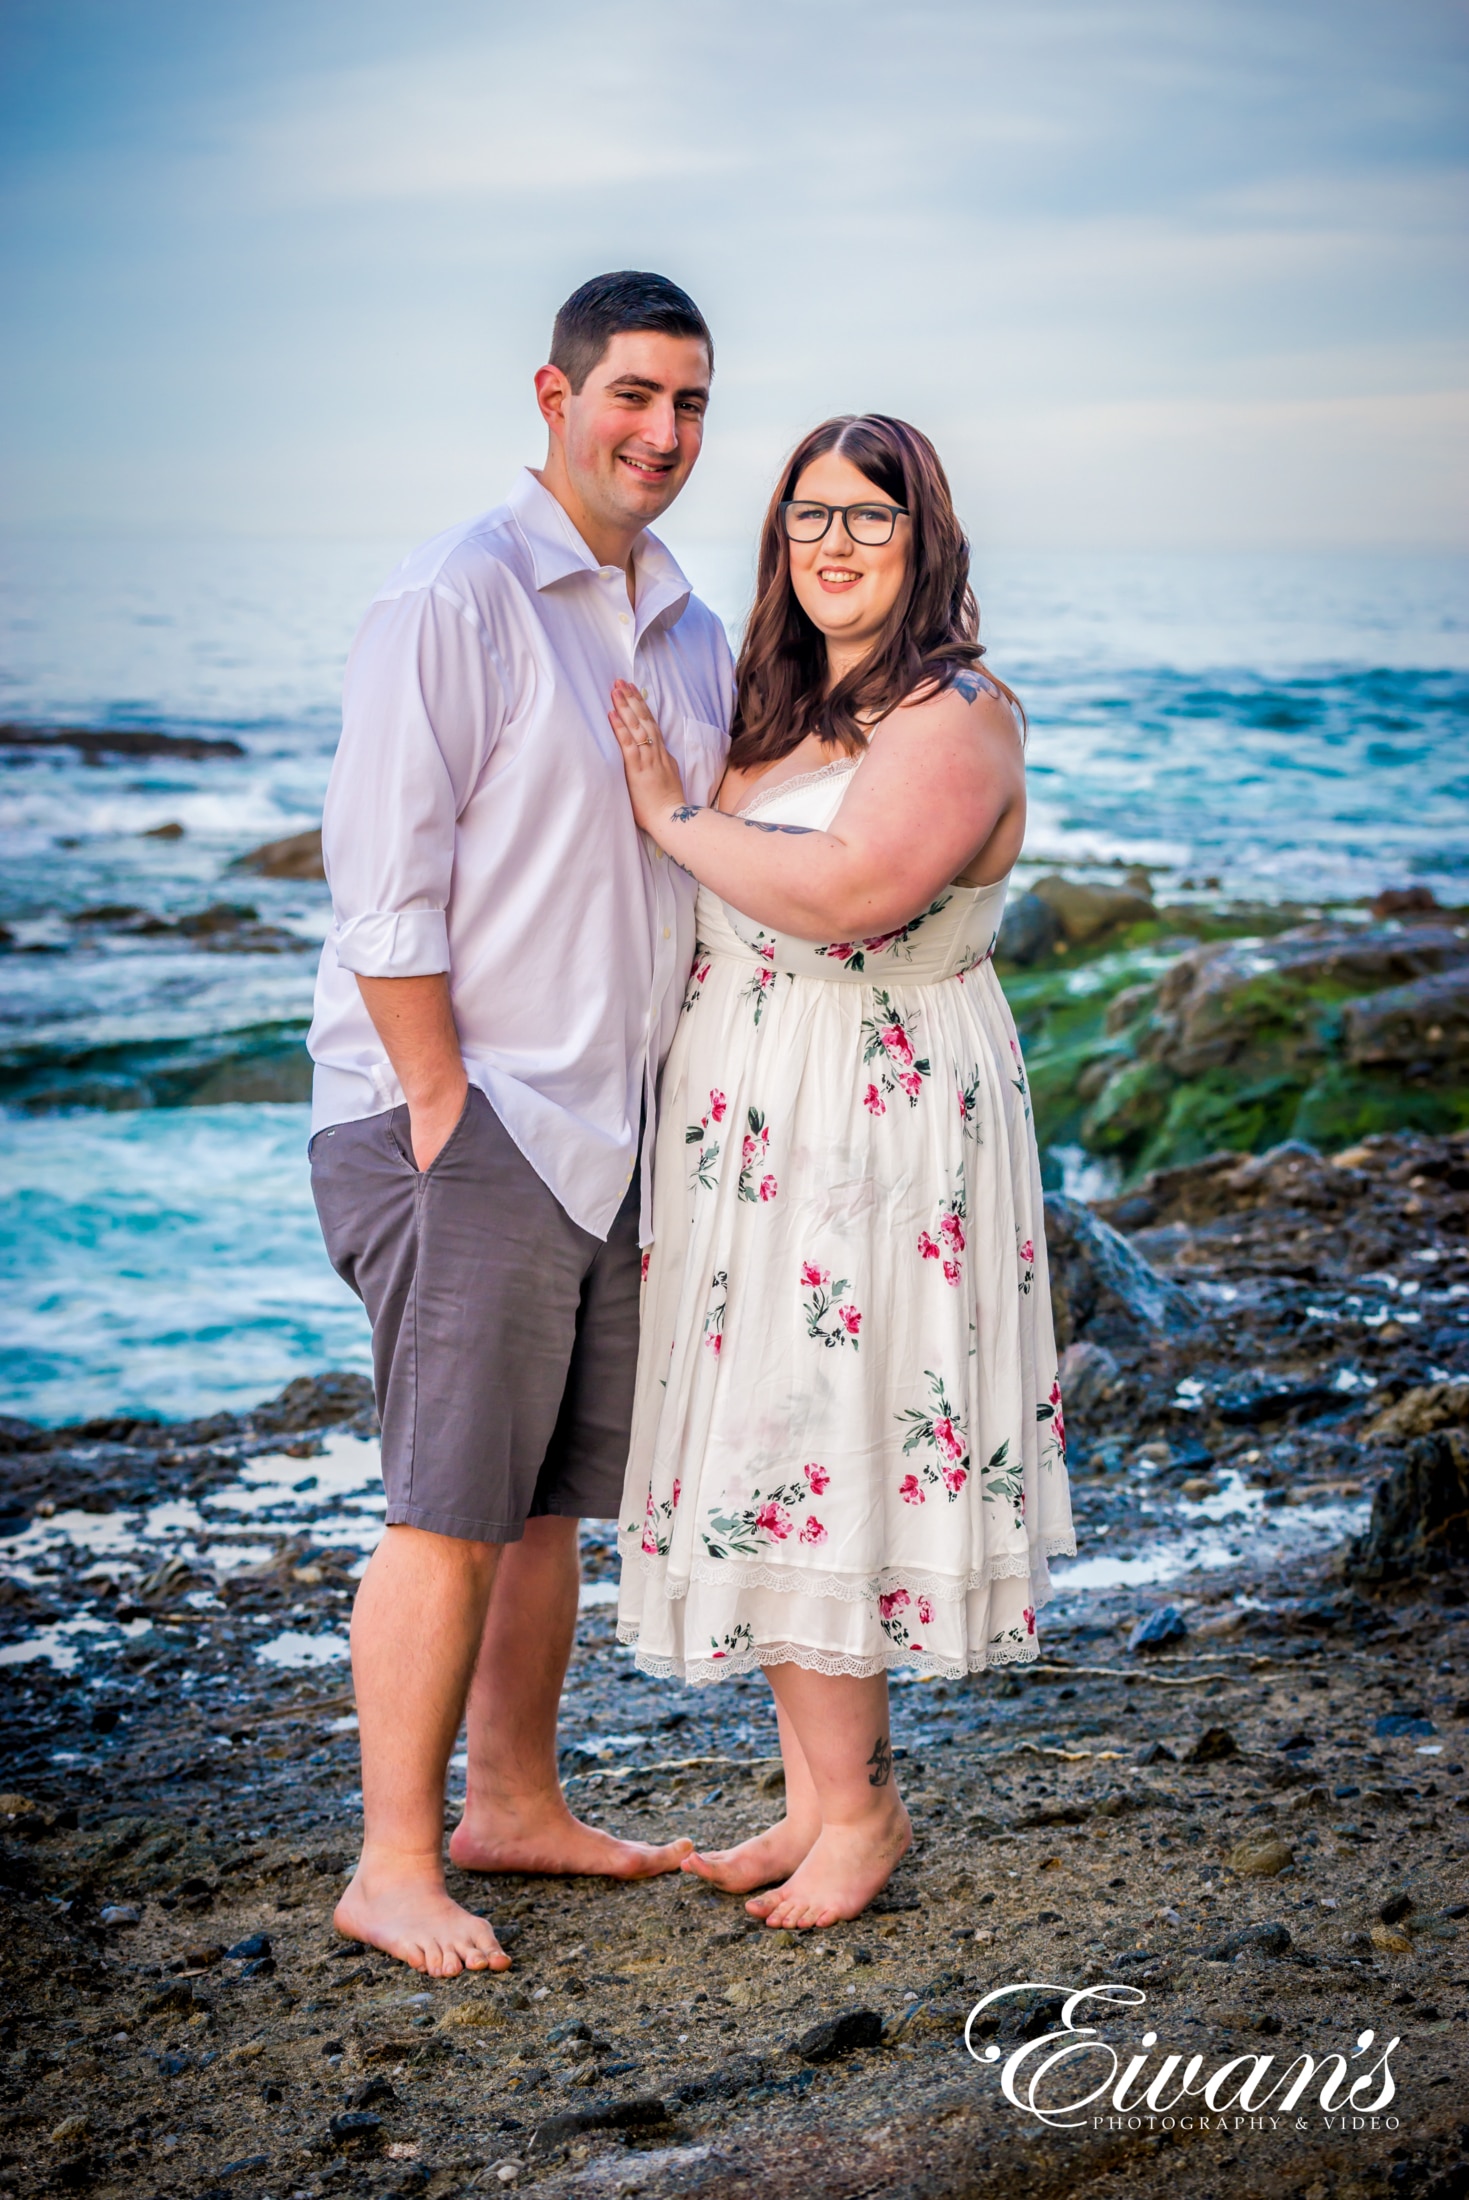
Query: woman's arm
[(939, 778)]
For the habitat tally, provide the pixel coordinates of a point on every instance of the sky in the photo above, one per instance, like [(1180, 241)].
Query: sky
[(1153, 273)]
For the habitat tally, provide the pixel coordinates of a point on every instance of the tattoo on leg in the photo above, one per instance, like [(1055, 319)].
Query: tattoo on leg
[(881, 1762)]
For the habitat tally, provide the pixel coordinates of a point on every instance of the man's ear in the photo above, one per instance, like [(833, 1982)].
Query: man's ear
[(553, 391)]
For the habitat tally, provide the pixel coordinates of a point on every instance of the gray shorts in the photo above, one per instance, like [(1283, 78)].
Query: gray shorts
[(504, 1336)]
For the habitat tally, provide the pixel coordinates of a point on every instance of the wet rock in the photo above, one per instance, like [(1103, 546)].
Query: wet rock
[(1420, 1029), (1088, 1375), (1420, 1514), (1265, 1940), (840, 2035), (1159, 1628), (102, 741), (1029, 931), (1274, 1401), (1027, 2016), (116, 1915), (1212, 1747), (1396, 1908), (1153, 1753), (171, 830), (1261, 1855), (251, 1948), (203, 1956), (370, 2090), (355, 2127), (642, 2112), (297, 856), (1085, 912), (1422, 1411), (1102, 1290), (739, 2075), (1396, 1724), (316, 1401)]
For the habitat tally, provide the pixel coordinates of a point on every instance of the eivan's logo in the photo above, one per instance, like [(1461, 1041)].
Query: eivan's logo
[(1035, 2077)]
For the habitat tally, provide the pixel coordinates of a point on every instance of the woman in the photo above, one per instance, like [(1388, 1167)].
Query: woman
[(847, 1443)]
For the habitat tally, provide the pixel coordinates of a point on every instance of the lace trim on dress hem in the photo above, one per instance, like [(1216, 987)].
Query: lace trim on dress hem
[(800, 779), (697, 1672), (946, 1588)]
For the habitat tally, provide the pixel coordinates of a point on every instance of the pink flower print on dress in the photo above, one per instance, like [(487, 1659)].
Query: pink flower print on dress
[(874, 1102), (830, 1320), (677, 1487), (925, 1612), (768, 1188), (748, 1150), (887, 1043), (897, 1600), (717, 1107), (644, 1263), (773, 1519), (938, 1430), (952, 1271), (715, 1341), (929, 1247), (1029, 1618), (817, 1476), (951, 1230), (1027, 1250), (911, 1490), (813, 1532)]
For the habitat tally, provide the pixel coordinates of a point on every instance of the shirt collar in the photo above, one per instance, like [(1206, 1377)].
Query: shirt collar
[(557, 551)]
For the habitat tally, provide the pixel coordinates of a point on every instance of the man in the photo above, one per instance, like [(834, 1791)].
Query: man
[(498, 990)]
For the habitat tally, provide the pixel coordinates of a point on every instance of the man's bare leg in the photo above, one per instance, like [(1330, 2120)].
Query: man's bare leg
[(775, 1853), (416, 1626), (515, 1815), (842, 1724)]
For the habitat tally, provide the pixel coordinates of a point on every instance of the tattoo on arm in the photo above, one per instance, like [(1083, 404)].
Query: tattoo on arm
[(687, 810), (881, 1762)]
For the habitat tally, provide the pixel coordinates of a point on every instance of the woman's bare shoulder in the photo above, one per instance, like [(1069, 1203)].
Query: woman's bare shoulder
[(972, 711)]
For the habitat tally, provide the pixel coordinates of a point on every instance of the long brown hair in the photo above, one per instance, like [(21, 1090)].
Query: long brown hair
[(931, 635)]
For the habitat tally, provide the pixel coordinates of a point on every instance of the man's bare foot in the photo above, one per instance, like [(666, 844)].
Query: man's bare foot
[(773, 1854), (403, 1909), (845, 1868), (549, 1839)]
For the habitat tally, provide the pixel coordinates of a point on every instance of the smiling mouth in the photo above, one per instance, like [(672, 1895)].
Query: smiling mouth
[(837, 576), (645, 469)]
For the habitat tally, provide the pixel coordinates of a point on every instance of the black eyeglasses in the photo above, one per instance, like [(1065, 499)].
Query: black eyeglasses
[(871, 524)]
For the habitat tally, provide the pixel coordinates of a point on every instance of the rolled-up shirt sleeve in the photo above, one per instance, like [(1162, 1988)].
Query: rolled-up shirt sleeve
[(422, 706)]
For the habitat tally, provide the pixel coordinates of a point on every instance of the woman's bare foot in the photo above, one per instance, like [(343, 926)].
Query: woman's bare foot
[(401, 1907), (546, 1838), (845, 1868), (773, 1854)]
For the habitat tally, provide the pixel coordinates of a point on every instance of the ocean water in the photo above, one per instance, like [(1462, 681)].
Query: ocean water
[(1294, 728)]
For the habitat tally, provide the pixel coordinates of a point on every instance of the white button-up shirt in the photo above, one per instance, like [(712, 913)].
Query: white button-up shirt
[(477, 821)]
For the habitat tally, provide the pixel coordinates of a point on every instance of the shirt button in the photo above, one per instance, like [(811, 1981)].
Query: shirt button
[(622, 618), (666, 933)]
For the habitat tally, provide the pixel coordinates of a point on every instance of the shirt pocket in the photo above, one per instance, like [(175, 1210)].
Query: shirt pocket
[(700, 750)]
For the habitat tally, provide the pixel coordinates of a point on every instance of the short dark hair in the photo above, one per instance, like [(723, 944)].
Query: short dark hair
[(614, 305)]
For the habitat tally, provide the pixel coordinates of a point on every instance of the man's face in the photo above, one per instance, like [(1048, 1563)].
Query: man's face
[(630, 435)]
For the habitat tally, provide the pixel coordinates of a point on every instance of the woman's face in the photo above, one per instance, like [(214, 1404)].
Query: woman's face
[(846, 588)]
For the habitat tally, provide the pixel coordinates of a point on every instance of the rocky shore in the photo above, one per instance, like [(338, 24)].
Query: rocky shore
[(1233, 1780)]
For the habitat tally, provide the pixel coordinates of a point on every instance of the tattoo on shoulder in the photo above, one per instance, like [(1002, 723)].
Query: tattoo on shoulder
[(685, 811), (971, 685), (881, 1762), (759, 825)]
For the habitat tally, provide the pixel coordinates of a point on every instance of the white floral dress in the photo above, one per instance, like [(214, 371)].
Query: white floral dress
[(847, 1448)]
